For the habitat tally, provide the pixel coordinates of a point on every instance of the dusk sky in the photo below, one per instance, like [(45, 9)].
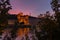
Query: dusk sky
[(35, 7)]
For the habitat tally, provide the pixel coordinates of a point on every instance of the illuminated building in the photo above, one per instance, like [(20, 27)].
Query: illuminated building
[(28, 20)]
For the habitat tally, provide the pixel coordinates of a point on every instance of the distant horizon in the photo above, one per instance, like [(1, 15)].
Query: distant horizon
[(35, 7)]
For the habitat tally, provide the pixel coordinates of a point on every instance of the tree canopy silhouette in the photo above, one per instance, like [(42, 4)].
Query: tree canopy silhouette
[(4, 8)]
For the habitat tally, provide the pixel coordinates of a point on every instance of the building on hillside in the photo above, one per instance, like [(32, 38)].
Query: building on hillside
[(23, 18)]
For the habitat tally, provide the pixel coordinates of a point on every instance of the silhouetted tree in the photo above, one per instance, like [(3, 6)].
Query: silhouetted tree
[(4, 8), (47, 27), (55, 7)]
